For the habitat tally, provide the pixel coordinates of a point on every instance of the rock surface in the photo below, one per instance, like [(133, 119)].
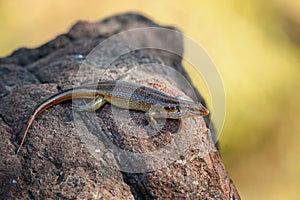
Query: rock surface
[(59, 161)]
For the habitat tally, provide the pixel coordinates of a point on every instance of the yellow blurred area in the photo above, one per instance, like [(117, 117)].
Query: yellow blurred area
[(255, 45)]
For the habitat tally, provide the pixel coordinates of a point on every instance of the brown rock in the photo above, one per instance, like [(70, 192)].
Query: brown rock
[(59, 158)]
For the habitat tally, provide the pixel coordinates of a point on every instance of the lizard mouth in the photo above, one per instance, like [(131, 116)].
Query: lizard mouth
[(203, 111), (199, 110)]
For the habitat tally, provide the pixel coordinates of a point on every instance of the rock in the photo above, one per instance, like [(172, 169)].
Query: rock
[(59, 160)]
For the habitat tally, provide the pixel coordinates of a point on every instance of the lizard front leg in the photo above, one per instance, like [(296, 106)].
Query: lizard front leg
[(154, 113)]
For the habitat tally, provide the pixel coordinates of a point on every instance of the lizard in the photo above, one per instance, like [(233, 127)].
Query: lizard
[(126, 95)]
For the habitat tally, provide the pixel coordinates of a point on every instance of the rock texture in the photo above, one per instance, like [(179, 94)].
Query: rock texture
[(58, 161)]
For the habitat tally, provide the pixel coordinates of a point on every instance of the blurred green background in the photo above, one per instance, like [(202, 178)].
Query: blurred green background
[(255, 45)]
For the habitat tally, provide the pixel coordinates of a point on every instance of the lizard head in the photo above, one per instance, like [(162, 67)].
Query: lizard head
[(186, 109)]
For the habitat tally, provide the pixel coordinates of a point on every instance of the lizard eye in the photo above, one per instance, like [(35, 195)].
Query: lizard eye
[(172, 108)]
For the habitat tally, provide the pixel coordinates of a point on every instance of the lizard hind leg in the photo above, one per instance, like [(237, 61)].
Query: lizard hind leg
[(92, 106)]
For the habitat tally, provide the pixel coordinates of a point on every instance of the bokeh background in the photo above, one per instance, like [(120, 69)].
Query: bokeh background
[(254, 43)]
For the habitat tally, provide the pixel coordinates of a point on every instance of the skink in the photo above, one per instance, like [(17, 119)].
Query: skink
[(127, 95)]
